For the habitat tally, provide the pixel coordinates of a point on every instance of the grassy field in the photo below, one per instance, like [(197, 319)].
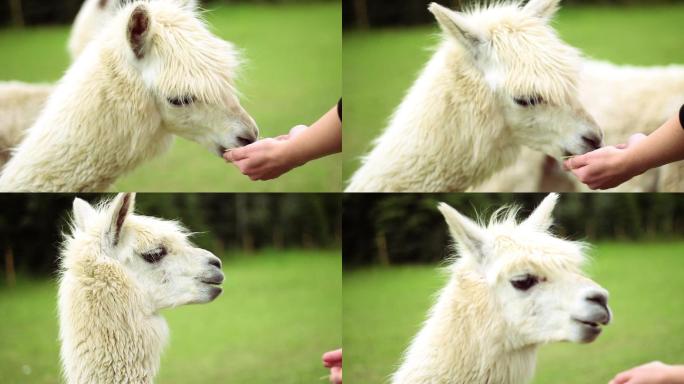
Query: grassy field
[(278, 314), (380, 65), (292, 76), (645, 281)]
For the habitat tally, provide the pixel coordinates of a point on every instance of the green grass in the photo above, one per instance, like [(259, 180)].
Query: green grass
[(292, 76), (278, 314), (380, 65), (384, 308)]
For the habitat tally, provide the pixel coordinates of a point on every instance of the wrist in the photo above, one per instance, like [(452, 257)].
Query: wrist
[(675, 374), (292, 157), (633, 163)]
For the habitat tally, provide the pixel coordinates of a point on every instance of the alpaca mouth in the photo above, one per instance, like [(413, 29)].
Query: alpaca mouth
[(593, 325), (590, 324), (214, 280)]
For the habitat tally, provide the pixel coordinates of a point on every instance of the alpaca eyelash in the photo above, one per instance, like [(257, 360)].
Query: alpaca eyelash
[(155, 255), (529, 101), (181, 101), (525, 283)]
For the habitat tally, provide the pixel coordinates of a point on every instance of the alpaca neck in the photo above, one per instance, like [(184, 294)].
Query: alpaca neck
[(463, 342), (447, 134), (108, 334), (98, 124)]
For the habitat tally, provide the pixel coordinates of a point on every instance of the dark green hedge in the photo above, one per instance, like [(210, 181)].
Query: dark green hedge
[(376, 13)]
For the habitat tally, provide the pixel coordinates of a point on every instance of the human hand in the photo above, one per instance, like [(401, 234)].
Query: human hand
[(294, 132), (333, 360), (607, 167), (266, 159), (651, 373)]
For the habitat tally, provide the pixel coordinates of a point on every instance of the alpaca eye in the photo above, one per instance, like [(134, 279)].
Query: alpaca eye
[(181, 101), (529, 101), (525, 283), (155, 255)]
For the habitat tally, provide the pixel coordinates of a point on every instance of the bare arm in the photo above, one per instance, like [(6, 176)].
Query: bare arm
[(651, 373), (323, 138), (611, 166), (271, 158)]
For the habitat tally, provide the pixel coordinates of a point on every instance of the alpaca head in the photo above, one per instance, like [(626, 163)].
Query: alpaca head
[(530, 72), (188, 71), (154, 255), (531, 281)]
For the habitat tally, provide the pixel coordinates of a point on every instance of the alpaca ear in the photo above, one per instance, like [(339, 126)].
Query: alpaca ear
[(468, 234), (544, 9), (138, 31), (83, 212), (117, 213), (542, 217), (457, 26)]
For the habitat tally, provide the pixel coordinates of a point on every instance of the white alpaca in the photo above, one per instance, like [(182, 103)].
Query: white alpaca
[(118, 270), (513, 288), (93, 15), (21, 103), (154, 71), (501, 80), (624, 100)]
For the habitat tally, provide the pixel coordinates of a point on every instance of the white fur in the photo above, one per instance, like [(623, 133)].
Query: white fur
[(483, 330), (110, 297), (20, 105), (110, 112), (91, 18), (459, 122), (624, 100)]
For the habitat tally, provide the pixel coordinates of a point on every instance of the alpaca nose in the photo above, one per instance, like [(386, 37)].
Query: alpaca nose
[(246, 140), (216, 262), (593, 141), (599, 298)]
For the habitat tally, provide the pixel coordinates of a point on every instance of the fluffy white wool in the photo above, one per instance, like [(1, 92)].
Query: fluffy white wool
[(624, 100), (460, 122), (109, 297), (20, 105), (111, 111), (481, 330)]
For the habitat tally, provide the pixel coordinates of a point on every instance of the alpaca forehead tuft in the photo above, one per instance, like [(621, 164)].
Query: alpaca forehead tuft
[(518, 247), (526, 251), (150, 231), (191, 60), (526, 50)]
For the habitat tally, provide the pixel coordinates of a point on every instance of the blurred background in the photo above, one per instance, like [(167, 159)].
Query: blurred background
[(387, 43), (395, 246), (292, 76), (376, 13), (282, 262)]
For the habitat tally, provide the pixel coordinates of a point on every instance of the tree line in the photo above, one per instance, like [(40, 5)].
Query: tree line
[(396, 229), (31, 225), (20, 13), (377, 13)]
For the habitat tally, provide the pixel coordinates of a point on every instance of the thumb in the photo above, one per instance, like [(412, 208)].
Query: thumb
[(576, 162), (236, 154)]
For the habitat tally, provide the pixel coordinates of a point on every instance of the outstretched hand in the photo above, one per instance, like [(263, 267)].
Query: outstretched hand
[(266, 159), (607, 167), (333, 360), (651, 373)]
